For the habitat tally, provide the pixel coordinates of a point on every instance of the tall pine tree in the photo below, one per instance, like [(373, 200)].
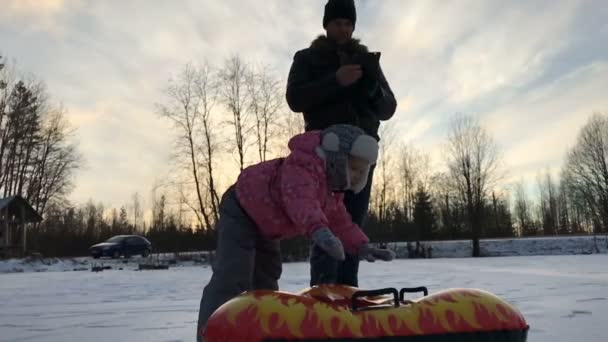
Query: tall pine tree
[(424, 218)]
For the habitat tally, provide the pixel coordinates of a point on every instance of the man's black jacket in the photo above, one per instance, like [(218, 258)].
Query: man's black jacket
[(313, 89)]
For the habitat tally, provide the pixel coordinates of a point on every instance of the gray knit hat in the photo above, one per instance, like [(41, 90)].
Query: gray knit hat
[(337, 143)]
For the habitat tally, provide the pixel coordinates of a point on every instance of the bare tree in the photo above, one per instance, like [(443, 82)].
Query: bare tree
[(2, 81), (7, 77), (90, 213), (159, 206), (161, 213), (123, 218), (472, 160), (522, 210), (382, 190), (137, 209), (113, 220), (188, 107), (234, 95), (56, 160), (413, 170), (442, 192), (586, 172), (265, 102), (565, 217), (206, 90), (102, 228), (154, 201), (548, 203), (290, 125)]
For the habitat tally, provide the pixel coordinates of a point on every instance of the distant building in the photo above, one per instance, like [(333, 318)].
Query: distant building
[(16, 214)]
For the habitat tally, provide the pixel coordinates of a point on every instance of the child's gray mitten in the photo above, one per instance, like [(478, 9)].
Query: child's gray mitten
[(370, 253), (324, 238)]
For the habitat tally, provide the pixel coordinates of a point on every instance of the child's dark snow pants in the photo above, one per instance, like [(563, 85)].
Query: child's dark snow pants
[(244, 261)]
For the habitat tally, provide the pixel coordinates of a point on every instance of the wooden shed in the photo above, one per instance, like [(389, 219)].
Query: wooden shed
[(16, 214)]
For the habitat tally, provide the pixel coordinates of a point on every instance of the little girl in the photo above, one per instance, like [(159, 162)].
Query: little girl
[(301, 194)]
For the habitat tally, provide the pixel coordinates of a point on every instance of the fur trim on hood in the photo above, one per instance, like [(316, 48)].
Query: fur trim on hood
[(352, 47)]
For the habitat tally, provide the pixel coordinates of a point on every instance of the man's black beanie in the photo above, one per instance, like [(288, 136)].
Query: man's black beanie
[(340, 9)]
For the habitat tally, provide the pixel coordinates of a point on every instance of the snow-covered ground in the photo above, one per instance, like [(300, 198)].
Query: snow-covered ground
[(564, 298)]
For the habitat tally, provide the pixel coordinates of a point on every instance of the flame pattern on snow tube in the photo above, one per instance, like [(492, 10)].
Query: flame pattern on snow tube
[(325, 313)]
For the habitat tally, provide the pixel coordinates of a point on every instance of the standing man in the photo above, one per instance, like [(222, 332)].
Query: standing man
[(338, 81)]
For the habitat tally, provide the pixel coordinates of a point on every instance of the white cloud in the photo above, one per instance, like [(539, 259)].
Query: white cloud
[(107, 62), (509, 51), (37, 15), (124, 152), (536, 129), (32, 7)]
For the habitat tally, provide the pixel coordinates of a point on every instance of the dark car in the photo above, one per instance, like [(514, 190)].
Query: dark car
[(122, 245)]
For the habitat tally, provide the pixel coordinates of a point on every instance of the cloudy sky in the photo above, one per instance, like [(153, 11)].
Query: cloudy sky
[(531, 71)]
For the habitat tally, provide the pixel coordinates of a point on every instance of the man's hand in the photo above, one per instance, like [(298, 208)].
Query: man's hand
[(349, 74), (324, 238)]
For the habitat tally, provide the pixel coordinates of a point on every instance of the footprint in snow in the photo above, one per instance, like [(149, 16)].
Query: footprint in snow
[(575, 313), (591, 299)]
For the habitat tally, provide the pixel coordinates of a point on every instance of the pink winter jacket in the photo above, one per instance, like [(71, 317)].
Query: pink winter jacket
[(289, 196)]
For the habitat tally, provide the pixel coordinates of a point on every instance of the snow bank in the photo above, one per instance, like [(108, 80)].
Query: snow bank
[(563, 245), (87, 263), (568, 245), (43, 265)]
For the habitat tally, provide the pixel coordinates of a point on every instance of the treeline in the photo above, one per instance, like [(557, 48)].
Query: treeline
[(227, 117)]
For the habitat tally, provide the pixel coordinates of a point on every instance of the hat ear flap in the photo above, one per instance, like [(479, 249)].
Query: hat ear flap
[(320, 152), (360, 185), (365, 147), (331, 142)]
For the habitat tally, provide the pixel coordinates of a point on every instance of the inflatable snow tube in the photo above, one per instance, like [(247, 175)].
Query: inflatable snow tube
[(340, 313)]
